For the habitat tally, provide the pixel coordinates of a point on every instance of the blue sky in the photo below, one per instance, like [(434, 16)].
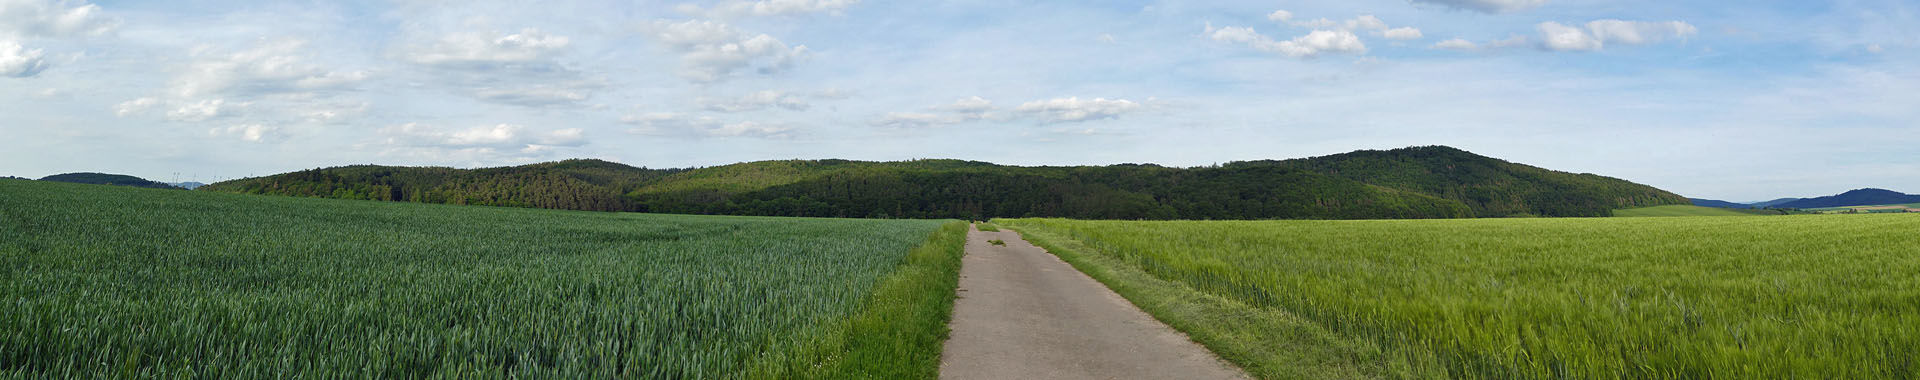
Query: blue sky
[(1738, 101)]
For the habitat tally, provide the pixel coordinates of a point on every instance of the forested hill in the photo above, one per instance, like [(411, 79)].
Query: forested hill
[(1859, 197), (108, 179), (1492, 187), (1421, 182), (592, 185)]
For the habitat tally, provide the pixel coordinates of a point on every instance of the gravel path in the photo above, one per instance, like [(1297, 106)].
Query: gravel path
[(1024, 314)]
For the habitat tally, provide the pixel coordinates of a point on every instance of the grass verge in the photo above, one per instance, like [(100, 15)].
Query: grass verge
[(988, 227), (1267, 343), (902, 329)]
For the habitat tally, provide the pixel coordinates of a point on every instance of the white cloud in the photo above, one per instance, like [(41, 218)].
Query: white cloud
[(1487, 6), (499, 136), (131, 107), (200, 111), (1280, 16), (972, 105), (1366, 22), (783, 7), (1360, 23), (911, 120), (1511, 41), (1363, 23), (1313, 44), (274, 67), (1639, 32), (1598, 33), (669, 124), (479, 49), (712, 51), (520, 68), (960, 111), (537, 95), (50, 18), (1320, 23), (833, 94), (331, 113), (1555, 36), (18, 62), (1456, 44), (756, 101), (478, 145), (750, 129), (1402, 33), (247, 132), (1074, 109)]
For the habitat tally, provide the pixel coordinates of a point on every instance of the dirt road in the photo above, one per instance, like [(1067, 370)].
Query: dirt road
[(1024, 314)]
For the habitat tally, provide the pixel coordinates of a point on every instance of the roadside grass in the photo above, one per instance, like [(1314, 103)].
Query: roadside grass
[(1267, 343), (101, 281), (1584, 298), (903, 329), (987, 227)]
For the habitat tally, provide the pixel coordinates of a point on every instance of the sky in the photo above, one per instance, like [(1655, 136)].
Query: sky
[(1740, 101)]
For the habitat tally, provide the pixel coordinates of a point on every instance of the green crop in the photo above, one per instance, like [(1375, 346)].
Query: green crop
[(100, 281), (1662, 298)]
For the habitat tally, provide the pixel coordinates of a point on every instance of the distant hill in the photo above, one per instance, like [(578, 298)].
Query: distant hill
[(1685, 210), (1717, 203), (1860, 197), (1420, 182), (1773, 203), (187, 185), (107, 179), (592, 185), (1490, 186)]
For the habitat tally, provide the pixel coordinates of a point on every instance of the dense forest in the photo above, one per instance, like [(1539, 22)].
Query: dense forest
[(1420, 182), (108, 179), (591, 185)]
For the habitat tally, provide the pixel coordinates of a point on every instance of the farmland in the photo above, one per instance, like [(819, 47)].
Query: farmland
[(123, 282), (1900, 208), (1691, 297), (1684, 210)]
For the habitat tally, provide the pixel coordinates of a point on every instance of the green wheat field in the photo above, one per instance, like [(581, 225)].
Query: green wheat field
[(100, 281), (1784, 297)]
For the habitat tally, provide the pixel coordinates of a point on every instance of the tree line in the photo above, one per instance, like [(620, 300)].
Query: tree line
[(1421, 182)]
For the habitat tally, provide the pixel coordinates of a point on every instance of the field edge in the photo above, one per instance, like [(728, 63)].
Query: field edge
[(1267, 343), (901, 330)]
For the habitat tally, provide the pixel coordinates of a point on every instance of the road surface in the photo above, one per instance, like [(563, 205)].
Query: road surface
[(1024, 314)]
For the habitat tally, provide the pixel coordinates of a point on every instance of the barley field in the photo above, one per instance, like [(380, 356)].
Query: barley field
[(100, 281), (1804, 296)]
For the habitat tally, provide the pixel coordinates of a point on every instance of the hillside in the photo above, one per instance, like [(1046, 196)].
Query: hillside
[(1490, 186), (107, 179), (1685, 210), (592, 185), (1423, 182), (1860, 197), (1773, 203), (1717, 203)]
